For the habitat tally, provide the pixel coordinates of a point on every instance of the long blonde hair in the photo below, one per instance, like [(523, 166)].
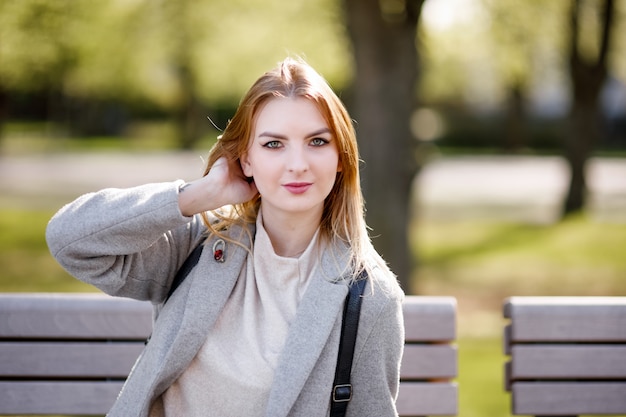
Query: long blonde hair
[(343, 213)]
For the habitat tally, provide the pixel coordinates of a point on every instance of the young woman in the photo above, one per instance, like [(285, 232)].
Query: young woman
[(254, 328)]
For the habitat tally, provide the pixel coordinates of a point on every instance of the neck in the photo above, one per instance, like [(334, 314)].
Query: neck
[(290, 235)]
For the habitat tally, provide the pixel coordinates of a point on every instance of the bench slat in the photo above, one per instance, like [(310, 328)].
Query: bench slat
[(73, 316), (569, 398), (63, 360), (561, 319), (96, 398), (429, 362), (74, 398), (568, 361), (430, 318), (427, 399)]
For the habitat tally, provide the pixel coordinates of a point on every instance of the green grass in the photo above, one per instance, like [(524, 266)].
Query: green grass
[(27, 266), (481, 263), (481, 386)]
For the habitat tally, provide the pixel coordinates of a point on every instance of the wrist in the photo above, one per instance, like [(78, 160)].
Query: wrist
[(183, 186), (187, 202), (197, 197)]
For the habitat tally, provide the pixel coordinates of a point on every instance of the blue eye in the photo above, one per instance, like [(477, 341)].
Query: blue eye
[(318, 141), (272, 144)]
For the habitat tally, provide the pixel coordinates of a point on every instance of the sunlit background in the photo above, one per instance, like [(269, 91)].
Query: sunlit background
[(123, 92)]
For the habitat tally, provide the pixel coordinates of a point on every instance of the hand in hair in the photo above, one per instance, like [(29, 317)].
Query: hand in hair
[(224, 184)]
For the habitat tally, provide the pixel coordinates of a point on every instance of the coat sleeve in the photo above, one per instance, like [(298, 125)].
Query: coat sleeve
[(126, 242), (376, 367)]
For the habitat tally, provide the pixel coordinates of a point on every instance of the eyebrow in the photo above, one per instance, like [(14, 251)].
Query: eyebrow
[(279, 136)]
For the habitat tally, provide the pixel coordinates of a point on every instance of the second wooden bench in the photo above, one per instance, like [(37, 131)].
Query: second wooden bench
[(567, 355)]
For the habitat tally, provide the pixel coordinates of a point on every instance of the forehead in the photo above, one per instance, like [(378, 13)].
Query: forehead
[(299, 114)]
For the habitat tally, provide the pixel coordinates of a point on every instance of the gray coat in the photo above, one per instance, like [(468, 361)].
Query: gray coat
[(131, 242)]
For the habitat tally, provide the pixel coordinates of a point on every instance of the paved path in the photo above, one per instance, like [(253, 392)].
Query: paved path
[(517, 187), (45, 180), (511, 187)]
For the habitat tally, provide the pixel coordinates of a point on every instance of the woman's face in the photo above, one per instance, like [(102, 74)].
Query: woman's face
[(292, 157)]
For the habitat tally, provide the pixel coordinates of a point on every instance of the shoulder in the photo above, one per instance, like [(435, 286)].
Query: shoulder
[(383, 297), (381, 322), (383, 282)]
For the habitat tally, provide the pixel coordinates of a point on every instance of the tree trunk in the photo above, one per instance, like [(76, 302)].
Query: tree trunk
[(516, 138), (188, 115), (386, 61), (584, 118), (4, 112)]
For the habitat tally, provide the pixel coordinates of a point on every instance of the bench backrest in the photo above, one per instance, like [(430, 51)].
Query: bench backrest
[(67, 354), (70, 353), (567, 355), (429, 364)]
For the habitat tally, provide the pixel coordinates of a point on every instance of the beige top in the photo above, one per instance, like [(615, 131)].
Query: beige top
[(232, 373)]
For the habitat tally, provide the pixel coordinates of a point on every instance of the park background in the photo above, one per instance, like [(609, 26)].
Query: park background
[(119, 92)]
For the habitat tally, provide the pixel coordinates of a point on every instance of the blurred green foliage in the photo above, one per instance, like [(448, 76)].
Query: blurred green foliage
[(98, 66), (31, 138), (133, 50)]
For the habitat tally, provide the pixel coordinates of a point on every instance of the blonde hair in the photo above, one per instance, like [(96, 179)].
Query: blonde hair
[(343, 214)]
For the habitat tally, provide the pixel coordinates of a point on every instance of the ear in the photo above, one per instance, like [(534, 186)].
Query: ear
[(339, 165), (246, 167)]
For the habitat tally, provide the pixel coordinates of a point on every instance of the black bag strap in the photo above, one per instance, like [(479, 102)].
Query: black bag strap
[(342, 389), (181, 274), (185, 269)]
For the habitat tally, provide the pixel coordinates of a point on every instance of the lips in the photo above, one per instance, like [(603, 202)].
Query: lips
[(297, 187)]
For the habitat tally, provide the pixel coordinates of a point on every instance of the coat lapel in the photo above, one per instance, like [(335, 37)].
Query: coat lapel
[(206, 296), (308, 334)]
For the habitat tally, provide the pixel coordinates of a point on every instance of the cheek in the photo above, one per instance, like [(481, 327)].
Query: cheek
[(334, 163), (264, 173)]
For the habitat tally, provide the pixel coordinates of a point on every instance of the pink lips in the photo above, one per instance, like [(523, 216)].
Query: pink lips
[(297, 187)]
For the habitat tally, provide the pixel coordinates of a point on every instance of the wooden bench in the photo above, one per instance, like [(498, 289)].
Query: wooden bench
[(70, 353), (567, 355)]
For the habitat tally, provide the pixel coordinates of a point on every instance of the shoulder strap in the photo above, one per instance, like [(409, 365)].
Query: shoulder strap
[(185, 269), (342, 389), (181, 274)]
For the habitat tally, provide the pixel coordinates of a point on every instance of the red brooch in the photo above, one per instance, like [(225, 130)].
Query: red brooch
[(218, 250)]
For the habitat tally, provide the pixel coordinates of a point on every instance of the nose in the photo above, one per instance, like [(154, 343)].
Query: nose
[(297, 159)]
